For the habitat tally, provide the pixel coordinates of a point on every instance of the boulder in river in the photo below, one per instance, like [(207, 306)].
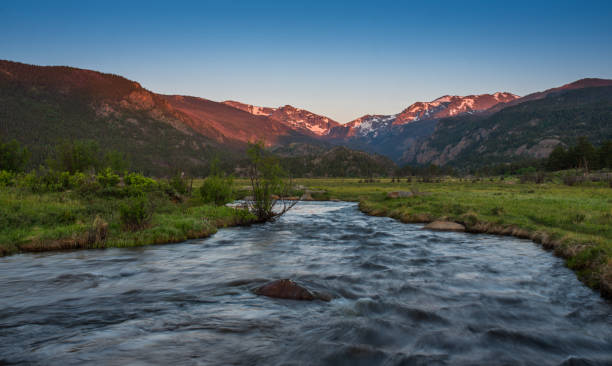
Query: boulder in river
[(287, 289), (444, 226)]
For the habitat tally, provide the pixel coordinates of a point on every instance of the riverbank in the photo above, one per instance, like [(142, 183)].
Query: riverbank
[(574, 222), (33, 222)]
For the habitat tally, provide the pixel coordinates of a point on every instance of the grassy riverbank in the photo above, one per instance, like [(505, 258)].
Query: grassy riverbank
[(575, 222), (69, 220)]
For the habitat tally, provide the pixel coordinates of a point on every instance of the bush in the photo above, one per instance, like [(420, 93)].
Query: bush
[(497, 211), (13, 157), (75, 156), (6, 178), (77, 180), (136, 214), (107, 179), (217, 190), (179, 183), (137, 184)]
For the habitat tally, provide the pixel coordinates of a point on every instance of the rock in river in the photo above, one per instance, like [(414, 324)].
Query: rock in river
[(444, 226), (287, 289)]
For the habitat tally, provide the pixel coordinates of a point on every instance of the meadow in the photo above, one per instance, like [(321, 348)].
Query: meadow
[(69, 220)]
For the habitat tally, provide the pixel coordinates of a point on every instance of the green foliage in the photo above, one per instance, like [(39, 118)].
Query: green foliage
[(137, 184), (116, 161), (217, 187), (136, 213), (605, 155), (75, 156), (13, 158), (335, 162), (6, 178), (107, 179), (583, 155), (178, 182), (266, 177), (78, 179)]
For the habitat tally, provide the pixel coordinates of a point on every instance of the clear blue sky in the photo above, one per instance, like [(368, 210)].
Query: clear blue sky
[(341, 59)]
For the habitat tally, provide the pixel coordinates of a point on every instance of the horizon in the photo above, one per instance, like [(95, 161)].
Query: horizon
[(342, 69)]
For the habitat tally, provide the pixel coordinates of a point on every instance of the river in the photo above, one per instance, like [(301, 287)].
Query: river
[(401, 296)]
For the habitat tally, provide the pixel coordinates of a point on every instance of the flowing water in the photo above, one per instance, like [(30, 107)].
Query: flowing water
[(402, 296)]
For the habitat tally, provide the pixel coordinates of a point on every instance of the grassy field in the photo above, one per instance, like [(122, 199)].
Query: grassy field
[(66, 220), (575, 222)]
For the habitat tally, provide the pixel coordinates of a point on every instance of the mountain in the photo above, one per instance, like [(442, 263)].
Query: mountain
[(578, 84), (393, 135), (297, 119), (530, 129), (446, 106), (43, 105), (229, 123)]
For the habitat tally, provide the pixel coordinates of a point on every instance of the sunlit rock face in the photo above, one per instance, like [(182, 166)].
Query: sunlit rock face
[(375, 126), (297, 119)]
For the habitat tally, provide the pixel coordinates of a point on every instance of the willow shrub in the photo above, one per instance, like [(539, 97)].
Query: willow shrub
[(217, 189)]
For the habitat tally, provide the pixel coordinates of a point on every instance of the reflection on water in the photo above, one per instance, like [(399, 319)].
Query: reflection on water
[(401, 296)]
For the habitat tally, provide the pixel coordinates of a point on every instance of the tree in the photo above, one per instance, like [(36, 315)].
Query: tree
[(558, 159), (584, 155), (217, 187), (13, 157), (605, 154), (270, 188), (116, 160), (75, 156)]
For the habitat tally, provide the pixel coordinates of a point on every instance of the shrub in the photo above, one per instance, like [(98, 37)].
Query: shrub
[(107, 179), (49, 180), (470, 218), (28, 181), (6, 178), (217, 190), (78, 179), (13, 157), (497, 211), (75, 156), (137, 184), (179, 183), (98, 232), (136, 214), (578, 218)]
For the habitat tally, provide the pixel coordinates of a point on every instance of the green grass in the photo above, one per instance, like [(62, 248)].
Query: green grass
[(64, 220), (574, 221)]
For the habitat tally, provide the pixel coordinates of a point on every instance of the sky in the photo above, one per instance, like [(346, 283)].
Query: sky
[(339, 59)]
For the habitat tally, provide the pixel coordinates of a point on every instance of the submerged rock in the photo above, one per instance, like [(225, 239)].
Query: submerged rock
[(444, 226), (287, 289)]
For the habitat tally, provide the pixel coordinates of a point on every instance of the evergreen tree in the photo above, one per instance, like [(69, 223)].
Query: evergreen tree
[(558, 159), (13, 157), (605, 155)]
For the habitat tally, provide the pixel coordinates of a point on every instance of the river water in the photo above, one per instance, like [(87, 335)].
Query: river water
[(402, 296)]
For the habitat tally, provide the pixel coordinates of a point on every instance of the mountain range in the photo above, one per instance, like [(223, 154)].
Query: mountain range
[(44, 104)]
